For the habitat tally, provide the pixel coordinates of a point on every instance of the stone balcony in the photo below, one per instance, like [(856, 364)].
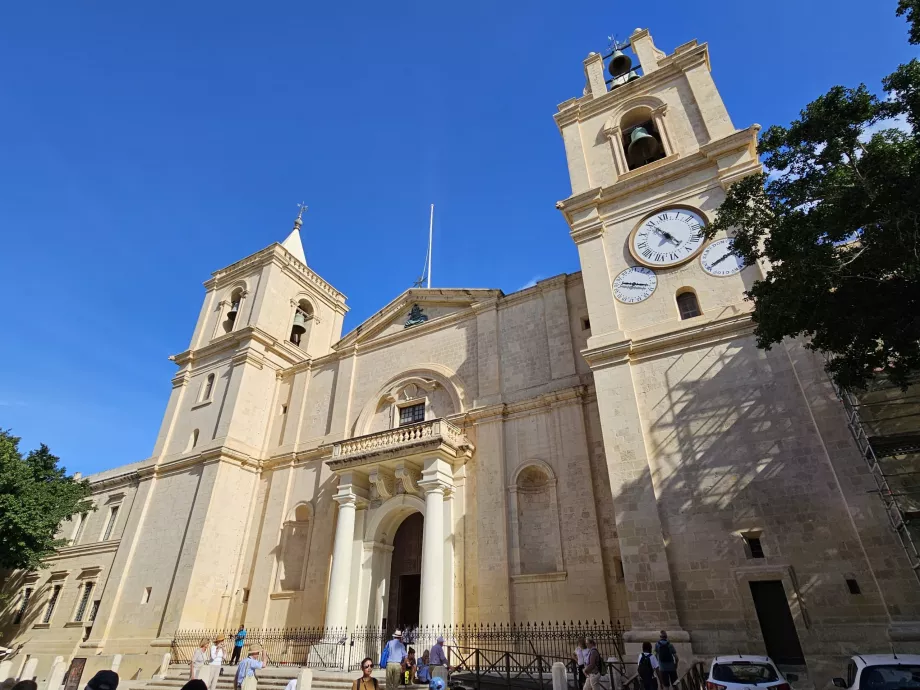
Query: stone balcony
[(436, 437)]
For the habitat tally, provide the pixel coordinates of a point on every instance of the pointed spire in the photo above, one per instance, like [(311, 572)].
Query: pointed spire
[(293, 243)]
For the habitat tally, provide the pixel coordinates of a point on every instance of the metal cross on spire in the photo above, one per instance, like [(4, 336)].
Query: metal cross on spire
[(301, 208)]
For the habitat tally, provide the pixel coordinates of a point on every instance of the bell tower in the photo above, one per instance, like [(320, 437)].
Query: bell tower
[(651, 150)]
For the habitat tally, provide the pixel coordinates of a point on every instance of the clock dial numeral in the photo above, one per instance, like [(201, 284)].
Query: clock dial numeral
[(719, 260), (667, 238), (635, 284)]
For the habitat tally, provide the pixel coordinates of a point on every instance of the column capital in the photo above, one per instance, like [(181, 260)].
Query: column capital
[(435, 485), (348, 497)]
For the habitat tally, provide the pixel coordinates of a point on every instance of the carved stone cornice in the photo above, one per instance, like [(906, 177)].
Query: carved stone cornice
[(383, 483), (408, 478), (93, 549)]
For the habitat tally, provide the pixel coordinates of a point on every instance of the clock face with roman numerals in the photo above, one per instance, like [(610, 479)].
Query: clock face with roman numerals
[(668, 237)]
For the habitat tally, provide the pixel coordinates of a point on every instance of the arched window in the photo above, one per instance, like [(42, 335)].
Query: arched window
[(641, 138), (236, 299), (688, 305), (303, 322), (207, 389), (192, 440), (535, 529), (295, 549)]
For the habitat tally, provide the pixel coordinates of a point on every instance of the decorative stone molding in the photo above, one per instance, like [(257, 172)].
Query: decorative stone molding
[(437, 435), (408, 478), (382, 484)]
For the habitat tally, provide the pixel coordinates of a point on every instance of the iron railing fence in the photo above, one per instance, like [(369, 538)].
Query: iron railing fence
[(344, 648)]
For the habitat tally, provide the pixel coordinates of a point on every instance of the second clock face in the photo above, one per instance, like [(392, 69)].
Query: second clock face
[(635, 284), (718, 259), (667, 238)]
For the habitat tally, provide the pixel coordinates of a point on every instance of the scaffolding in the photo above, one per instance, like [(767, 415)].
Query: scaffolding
[(885, 423)]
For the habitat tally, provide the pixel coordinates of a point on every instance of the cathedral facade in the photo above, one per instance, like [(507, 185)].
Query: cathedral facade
[(606, 444)]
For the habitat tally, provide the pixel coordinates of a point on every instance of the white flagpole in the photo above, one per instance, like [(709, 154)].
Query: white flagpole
[(430, 238)]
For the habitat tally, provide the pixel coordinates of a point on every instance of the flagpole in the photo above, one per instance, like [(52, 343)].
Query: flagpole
[(430, 237)]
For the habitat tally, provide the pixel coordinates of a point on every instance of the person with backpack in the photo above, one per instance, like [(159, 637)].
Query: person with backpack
[(667, 660), (594, 666), (366, 681), (648, 667)]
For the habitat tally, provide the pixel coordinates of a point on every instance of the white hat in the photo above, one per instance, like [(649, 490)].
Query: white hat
[(440, 639), (398, 633)]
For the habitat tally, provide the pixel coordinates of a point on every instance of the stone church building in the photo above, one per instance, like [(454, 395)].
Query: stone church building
[(608, 444)]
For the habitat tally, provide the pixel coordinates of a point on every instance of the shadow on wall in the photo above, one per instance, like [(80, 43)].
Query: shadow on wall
[(733, 456)]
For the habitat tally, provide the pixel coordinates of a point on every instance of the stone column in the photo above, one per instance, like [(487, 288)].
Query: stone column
[(435, 482), (340, 577)]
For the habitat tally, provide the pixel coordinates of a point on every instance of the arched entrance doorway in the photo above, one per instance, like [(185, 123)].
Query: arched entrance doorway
[(406, 573)]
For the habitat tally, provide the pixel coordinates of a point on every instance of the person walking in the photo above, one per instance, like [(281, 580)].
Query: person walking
[(667, 660), (366, 681), (395, 659), (246, 671), (580, 656), (592, 666), (199, 659), (238, 641), (647, 668), (437, 660)]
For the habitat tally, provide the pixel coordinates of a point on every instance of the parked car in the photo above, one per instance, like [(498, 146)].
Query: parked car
[(746, 672), (882, 672)]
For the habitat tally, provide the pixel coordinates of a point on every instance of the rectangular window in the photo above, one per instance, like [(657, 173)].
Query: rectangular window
[(49, 610), (755, 547), (110, 525), (245, 596), (853, 586), (586, 324), (146, 597), (81, 525), (84, 600), (410, 414), (26, 595), (93, 611)]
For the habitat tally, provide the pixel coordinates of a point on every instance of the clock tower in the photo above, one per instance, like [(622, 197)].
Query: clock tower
[(651, 150)]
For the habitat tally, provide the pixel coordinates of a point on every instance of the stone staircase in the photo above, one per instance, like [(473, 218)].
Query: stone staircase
[(271, 678)]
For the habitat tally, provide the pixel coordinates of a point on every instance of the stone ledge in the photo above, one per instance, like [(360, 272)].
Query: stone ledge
[(557, 576)]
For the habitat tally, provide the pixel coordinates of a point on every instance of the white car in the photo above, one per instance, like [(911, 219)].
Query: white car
[(882, 672), (746, 672)]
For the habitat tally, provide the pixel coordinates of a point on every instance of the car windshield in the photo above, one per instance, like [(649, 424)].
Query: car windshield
[(744, 672), (893, 677)]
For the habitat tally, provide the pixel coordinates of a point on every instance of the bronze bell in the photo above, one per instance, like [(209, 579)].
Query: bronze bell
[(642, 145), (633, 75), (234, 310), (300, 321), (619, 64)]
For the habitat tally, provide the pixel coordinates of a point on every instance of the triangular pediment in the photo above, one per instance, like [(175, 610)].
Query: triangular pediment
[(416, 308)]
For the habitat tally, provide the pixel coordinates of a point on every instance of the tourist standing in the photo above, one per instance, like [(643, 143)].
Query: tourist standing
[(647, 667), (667, 660), (395, 653), (580, 656), (238, 641), (247, 670), (437, 660), (366, 681), (199, 659), (217, 651), (592, 666)]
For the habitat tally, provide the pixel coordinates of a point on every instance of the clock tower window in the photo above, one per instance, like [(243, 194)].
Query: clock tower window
[(688, 305)]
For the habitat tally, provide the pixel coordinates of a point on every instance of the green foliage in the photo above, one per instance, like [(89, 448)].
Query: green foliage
[(36, 496), (911, 8), (838, 229)]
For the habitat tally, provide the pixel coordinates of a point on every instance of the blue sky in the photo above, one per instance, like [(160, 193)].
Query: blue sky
[(145, 145)]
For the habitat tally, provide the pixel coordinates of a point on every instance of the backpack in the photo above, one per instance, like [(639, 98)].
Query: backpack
[(665, 652), (601, 665), (646, 672)]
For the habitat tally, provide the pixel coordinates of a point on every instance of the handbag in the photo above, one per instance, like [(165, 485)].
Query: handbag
[(385, 656)]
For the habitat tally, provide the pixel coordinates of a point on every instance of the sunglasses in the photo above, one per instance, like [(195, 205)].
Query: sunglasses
[(368, 666)]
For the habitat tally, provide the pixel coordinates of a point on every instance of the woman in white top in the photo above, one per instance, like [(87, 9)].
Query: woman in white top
[(581, 658), (199, 659), (217, 651)]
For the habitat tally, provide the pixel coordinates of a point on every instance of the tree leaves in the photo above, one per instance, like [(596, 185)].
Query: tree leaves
[(837, 227), (36, 496)]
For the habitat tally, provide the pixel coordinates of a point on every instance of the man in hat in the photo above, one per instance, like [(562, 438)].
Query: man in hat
[(437, 660), (103, 680), (396, 660), (252, 662)]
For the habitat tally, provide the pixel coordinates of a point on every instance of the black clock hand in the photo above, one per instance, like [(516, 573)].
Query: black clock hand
[(642, 285), (717, 261), (668, 236)]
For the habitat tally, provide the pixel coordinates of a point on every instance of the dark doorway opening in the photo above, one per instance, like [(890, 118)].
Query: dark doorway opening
[(410, 591), (779, 633), (405, 573)]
